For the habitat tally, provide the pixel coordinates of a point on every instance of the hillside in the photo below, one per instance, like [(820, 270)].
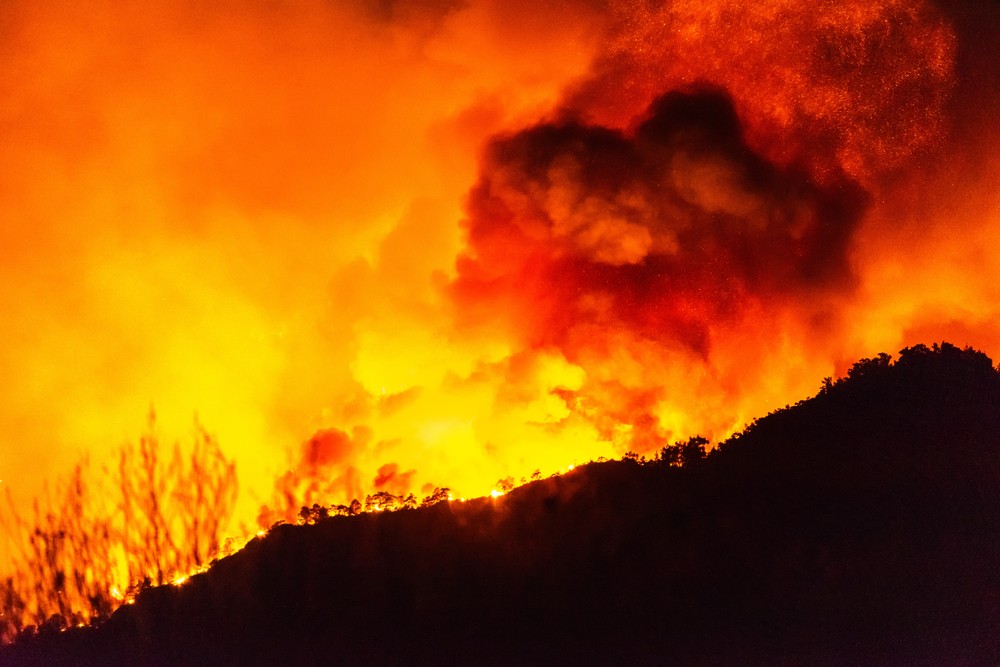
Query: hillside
[(861, 526)]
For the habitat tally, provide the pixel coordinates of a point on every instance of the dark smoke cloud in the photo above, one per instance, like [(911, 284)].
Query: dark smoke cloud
[(664, 230)]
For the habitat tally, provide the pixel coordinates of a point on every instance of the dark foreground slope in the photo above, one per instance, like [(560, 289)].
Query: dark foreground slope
[(859, 527)]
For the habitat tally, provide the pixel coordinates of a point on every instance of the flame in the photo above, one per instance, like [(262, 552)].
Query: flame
[(407, 248), (193, 201)]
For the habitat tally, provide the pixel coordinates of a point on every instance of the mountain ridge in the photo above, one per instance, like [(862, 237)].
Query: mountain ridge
[(859, 526)]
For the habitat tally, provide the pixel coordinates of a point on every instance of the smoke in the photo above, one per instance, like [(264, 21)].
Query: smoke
[(738, 198), (664, 232), (848, 87), (195, 197), (400, 245), (666, 237)]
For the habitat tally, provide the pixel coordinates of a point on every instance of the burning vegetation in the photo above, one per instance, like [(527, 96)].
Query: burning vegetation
[(86, 553), (794, 542), (96, 540), (451, 243)]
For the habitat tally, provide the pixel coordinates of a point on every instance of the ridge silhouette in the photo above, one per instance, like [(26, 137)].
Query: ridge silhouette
[(860, 526)]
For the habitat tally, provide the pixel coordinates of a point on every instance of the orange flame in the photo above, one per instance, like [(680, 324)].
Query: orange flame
[(454, 243)]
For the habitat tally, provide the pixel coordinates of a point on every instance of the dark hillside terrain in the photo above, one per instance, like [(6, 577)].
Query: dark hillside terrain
[(861, 526)]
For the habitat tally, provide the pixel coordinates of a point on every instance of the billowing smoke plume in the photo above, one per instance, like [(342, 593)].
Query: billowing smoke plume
[(582, 238), (665, 231)]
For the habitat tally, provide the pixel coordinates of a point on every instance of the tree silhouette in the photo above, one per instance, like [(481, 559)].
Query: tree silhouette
[(693, 450)]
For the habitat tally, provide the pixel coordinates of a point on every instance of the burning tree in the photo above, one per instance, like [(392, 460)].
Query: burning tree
[(173, 513), (85, 547)]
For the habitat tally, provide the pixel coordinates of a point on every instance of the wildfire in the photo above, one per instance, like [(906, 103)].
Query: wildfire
[(455, 243), (181, 579)]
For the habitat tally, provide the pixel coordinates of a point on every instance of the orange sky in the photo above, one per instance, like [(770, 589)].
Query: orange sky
[(254, 213)]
